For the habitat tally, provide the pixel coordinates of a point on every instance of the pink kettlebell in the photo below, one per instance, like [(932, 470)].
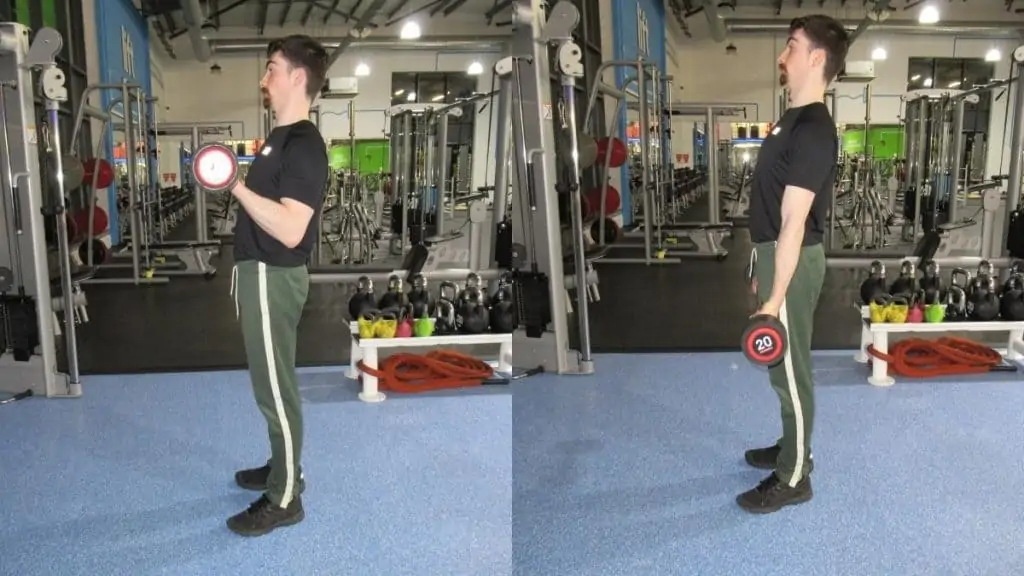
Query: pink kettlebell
[(404, 329), (915, 314)]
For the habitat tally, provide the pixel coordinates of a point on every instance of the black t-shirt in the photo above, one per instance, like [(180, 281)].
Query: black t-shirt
[(291, 164), (801, 150)]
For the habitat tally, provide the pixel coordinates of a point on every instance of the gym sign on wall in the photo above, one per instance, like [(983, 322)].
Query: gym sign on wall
[(643, 37), (127, 53)]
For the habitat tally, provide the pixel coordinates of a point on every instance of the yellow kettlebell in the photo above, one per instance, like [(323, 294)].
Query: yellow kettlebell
[(897, 310), (368, 324), (387, 325), (878, 310)]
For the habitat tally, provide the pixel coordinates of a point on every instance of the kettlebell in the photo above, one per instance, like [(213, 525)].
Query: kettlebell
[(471, 314), (503, 318), (906, 284), (982, 300), (934, 313), (362, 300), (897, 310), (444, 309), (423, 327), (1011, 303), (878, 309), (394, 298), (874, 286), (915, 313), (419, 297), (931, 283), (387, 324), (956, 295), (404, 329), (367, 322)]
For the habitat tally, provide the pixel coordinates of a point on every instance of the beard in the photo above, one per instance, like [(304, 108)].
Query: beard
[(266, 101), (783, 78)]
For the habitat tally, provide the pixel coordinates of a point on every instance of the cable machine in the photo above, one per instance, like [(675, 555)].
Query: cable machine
[(28, 364)]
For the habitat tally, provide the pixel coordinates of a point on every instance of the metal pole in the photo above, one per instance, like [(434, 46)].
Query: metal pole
[(923, 113), (1013, 186), (129, 144), (711, 144), (198, 192), (958, 162), (405, 188), (67, 290), (645, 158), (441, 170), (502, 151), (582, 307)]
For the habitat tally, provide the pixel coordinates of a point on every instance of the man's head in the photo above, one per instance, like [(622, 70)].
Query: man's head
[(814, 52), (296, 71)]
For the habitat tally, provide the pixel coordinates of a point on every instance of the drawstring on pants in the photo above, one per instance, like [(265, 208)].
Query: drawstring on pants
[(234, 288)]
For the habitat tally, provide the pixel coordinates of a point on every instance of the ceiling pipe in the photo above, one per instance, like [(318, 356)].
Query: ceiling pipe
[(356, 30), (977, 29), (879, 12), (716, 23), (487, 44), (194, 18)]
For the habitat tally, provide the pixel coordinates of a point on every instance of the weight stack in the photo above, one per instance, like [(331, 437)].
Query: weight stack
[(532, 294)]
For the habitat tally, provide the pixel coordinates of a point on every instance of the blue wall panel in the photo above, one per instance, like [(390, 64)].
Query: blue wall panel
[(122, 39), (639, 28)]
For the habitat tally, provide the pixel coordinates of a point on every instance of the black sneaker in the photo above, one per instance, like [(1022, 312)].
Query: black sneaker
[(263, 516), (763, 458), (771, 495), (256, 479)]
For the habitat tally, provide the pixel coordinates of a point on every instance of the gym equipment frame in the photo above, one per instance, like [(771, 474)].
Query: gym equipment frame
[(25, 211)]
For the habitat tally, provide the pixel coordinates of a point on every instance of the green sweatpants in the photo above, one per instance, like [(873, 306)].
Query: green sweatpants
[(793, 380), (269, 302)]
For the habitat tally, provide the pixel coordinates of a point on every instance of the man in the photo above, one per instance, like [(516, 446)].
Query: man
[(280, 204), (791, 193)]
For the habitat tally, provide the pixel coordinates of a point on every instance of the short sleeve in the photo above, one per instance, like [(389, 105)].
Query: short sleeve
[(812, 156), (304, 173)]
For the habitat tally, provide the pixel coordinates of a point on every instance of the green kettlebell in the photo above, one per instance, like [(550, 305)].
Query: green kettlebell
[(935, 313), (423, 327)]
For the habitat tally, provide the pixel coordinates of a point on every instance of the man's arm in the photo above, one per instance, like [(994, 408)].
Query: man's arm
[(302, 184), (811, 165)]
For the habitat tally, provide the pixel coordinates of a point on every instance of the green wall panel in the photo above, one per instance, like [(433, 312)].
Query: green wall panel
[(884, 141), (372, 156)]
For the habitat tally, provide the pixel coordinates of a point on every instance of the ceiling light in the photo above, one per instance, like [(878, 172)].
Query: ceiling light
[(400, 91), (411, 97), (410, 31), (437, 98), (927, 82), (475, 69), (954, 84), (362, 69), (993, 55), (928, 15), (879, 53), (915, 77)]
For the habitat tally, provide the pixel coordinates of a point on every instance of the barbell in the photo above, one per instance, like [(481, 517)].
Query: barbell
[(215, 167)]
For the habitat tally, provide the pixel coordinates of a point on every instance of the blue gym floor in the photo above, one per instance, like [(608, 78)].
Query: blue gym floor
[(634, 472), (631, 472), (136, 479)]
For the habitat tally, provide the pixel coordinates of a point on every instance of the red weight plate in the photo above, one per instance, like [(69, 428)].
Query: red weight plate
[(215, 167), (99, 169), (756, 348)]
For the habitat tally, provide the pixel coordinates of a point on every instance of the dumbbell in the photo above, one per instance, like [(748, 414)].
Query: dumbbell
[(764, 341), (215, 167)]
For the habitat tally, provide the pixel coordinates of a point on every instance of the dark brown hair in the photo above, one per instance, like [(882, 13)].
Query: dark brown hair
[(825, 33), (301, 51)]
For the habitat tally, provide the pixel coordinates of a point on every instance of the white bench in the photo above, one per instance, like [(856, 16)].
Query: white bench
[(877, 334), (365, 350)]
